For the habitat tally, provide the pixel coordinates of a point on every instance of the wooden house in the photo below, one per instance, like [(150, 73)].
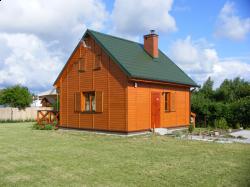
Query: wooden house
[(114, 84), (48, 98)]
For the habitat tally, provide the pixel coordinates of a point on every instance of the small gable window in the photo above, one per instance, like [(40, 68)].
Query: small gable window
[(97, 63), (81, 65)]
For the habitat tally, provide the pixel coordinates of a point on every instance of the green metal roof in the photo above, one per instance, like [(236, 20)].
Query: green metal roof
[(137, 63)]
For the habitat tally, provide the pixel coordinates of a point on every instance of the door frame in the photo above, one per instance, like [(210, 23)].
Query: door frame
[(152, 124)]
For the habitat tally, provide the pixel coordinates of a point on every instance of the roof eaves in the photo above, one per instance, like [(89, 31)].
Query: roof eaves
[(166, 81)]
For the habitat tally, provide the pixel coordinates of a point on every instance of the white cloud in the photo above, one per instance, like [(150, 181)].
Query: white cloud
[(54, 18), (38, 36), (230, 69), (230, 25), (28, 61), (194, 56), (132, 17), (201, 60)]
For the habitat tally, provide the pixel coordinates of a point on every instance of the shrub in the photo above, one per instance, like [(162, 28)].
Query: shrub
[(191, 128), (45, 126), (237, 126), (220, 123), (48, 127), (36, 126)]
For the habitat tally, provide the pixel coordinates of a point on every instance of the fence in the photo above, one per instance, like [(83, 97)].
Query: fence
[(47, 116), (14, 114)]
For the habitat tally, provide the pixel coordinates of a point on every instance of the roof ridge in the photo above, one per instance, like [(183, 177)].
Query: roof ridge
[(116, 37)]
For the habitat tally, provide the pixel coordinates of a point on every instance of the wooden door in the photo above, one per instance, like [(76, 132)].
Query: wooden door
[(155, 109)]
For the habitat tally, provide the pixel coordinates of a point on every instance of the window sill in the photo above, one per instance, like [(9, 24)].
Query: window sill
[(169, 111)]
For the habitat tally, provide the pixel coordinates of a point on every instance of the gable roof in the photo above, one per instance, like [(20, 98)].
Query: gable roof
[(137, 63)]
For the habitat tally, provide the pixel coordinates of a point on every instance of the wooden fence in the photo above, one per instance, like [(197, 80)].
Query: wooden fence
[(48, 117), (14, 114)]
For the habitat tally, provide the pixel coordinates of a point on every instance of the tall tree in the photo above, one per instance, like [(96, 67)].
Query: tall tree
[(207, 88), (16, 96)]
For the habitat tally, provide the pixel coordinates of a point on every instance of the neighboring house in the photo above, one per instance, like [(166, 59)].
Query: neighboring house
[(36, 102), (114, 84), (48, 98)]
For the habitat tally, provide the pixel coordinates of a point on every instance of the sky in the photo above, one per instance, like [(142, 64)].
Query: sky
[(208, 38)]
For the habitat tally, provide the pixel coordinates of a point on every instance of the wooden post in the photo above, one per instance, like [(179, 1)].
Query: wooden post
[(37, 117)]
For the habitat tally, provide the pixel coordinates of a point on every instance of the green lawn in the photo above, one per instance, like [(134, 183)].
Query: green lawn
[(62, 158)]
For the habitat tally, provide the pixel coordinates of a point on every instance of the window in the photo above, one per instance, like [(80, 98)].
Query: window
[(89, 98), (89, 101), (81, 65), (97, 64), (169, 101)]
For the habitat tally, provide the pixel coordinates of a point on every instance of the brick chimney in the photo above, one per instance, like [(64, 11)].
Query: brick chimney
[(151, 44)]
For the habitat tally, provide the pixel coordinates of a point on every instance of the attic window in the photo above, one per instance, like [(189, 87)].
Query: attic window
[(87, 42), (81, 65), (97, 63)]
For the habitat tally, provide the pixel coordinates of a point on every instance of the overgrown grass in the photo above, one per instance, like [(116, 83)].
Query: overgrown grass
[(75, 158)]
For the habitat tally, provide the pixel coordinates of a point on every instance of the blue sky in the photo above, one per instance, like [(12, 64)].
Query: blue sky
[(205, 38), (199, 20)]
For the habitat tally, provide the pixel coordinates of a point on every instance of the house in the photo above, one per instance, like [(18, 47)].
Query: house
[(114, 84), (48, 98)]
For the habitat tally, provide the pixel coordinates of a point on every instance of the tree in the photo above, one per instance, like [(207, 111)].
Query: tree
[(207, 88), (16, 96), (231, 90), (230, 101)]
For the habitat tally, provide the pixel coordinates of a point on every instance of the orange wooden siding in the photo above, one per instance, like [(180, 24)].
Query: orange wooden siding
[(109, 79), (139, 106)]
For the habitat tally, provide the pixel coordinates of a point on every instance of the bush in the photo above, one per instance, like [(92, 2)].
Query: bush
[(237, 126), (230, 101), (241, 111), (48, 127), (45, 126), (220, 123), (191, 128), (36, 126)]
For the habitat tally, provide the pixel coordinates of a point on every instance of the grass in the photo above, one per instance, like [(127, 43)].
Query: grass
[(61, 158)]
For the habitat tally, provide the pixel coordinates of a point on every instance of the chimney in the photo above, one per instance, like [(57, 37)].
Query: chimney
[(151, 44)]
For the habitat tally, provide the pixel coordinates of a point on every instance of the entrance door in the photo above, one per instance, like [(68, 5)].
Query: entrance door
[(155, 109)]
